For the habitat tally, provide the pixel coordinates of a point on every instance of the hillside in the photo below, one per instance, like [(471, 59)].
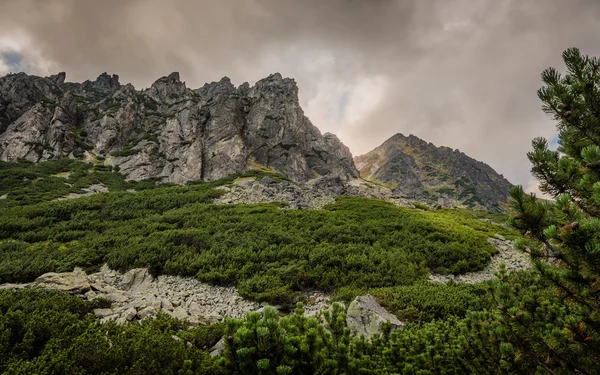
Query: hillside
[(419, 170), (236, 237), (185, 266), (168, 132)]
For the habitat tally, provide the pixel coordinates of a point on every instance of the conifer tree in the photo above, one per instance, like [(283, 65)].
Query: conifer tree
[(550, 325)]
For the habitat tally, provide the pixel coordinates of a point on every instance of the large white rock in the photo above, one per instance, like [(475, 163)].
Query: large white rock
[(137, 279), (365, 316), (71, 282)]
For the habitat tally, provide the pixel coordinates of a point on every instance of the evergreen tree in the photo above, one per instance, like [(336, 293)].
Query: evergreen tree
[(551, 324)]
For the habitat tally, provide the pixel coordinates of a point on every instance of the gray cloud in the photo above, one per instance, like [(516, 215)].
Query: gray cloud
[(461, 74)]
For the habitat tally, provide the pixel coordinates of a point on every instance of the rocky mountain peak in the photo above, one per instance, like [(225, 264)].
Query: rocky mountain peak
[(168, 132), (275, 84), (419, 170), (104, 83), (168, 88), (59, 78)]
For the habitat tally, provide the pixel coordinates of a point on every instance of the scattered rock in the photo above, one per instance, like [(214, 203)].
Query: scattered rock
[(365, 316), (513, 258), (136, 295), (268, 191), (91, 190), (267, 181)]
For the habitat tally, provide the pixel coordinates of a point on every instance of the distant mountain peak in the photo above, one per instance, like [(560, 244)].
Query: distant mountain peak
[(420, 170)]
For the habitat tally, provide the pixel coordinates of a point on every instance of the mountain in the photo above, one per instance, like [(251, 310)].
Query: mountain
[(419, 170), (167, 132)]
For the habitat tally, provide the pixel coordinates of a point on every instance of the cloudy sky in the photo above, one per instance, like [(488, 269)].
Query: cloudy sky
[(459, 73)]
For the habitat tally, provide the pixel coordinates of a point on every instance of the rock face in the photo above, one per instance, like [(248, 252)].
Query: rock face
[(365, 316), (168, 132), (421, 171)]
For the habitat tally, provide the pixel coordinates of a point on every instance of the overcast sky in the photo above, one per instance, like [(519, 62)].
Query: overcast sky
[(458, 73)]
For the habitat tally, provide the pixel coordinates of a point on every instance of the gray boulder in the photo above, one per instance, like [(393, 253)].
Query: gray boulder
[(218, 349), (365, 316), (71, 282), (136, 279)]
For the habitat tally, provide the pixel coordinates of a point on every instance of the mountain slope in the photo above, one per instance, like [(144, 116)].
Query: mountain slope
[(420, 170), (168, 132)]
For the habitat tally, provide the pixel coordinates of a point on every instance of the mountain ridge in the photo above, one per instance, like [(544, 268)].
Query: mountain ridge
[(168, 132), (171, 133)]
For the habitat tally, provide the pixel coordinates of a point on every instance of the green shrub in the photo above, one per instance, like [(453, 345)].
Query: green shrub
[(54, 333)]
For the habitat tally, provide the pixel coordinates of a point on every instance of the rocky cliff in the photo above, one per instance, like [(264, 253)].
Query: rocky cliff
[(168, 132), (419, 170)]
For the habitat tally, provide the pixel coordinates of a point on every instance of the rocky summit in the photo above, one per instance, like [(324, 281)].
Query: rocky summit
[(421, 171), (168, 132)]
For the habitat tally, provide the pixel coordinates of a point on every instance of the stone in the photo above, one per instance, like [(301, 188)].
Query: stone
[(129, 314), (118, 296), (90, 294), (71, 282), (267, 181), (166, 304), (136, 279), (218, 349), (146, 312), (365, 316), (215, 318), (179, 313), (102, 313)]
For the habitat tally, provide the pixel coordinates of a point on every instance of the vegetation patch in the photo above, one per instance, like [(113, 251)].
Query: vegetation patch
[(268, 253)]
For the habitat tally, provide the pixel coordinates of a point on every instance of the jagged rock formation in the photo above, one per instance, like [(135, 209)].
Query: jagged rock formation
[(421, 171), (168, 132)]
